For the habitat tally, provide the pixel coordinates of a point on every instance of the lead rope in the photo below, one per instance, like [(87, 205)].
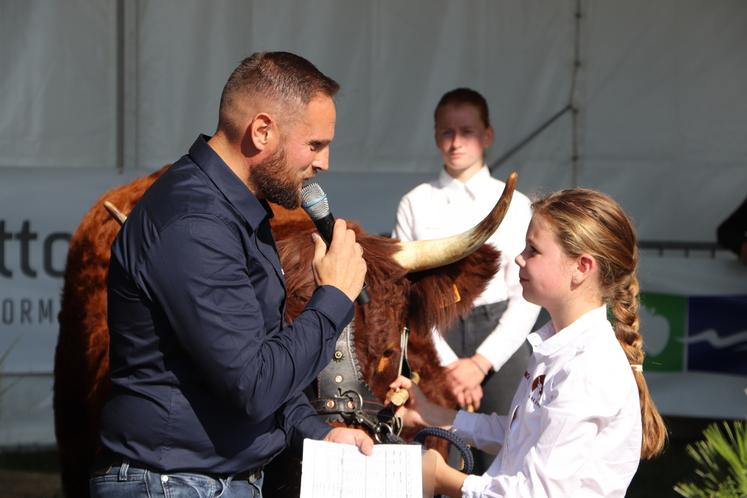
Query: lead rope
[(454, 439)]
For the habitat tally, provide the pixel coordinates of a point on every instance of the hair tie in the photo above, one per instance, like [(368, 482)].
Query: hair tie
[(637, 367)]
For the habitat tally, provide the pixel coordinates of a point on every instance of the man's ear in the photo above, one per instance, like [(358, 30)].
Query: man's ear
[(262, 131), (586, 264)]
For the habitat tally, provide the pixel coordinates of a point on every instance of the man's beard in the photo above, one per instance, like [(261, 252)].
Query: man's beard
[(276, 182)]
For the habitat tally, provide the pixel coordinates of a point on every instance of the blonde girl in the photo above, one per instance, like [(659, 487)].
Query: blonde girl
[(582, 416)]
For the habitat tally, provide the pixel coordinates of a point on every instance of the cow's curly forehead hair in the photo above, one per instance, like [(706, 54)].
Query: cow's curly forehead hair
[(280, 80)]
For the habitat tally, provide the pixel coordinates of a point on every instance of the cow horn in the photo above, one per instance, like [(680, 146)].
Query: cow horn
[(114, 212), (418, 255)]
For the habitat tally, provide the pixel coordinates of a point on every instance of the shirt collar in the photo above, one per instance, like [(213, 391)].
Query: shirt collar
[(473, 187), (547, 342), (232, 188)]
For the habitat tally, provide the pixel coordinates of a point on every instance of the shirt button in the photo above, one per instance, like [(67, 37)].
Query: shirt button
[(164, 478)]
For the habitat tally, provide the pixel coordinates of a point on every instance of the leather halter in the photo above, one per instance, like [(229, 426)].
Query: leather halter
[(342, 395)]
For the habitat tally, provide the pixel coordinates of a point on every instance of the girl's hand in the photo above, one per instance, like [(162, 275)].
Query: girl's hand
[(472, 398), (419, 410), (439, 478), (411, 412), (465, 377)]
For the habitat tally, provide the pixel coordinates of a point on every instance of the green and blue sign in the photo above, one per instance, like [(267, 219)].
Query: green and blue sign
[(691, 333)]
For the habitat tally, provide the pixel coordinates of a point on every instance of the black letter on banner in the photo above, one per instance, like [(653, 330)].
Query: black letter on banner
[(25, 310), (26, 236), (48, 242), (4, 271), (7, 311), (45, 310)]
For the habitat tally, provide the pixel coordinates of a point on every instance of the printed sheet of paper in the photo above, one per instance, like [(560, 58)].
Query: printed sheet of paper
[(332, 470)]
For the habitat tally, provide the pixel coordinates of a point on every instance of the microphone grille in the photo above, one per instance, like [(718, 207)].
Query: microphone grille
[(314, 201)]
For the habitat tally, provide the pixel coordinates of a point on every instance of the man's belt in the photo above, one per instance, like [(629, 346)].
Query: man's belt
[(104, 463)]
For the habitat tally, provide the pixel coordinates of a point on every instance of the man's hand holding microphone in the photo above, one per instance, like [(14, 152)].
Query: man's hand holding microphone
[(344, 274), (341, 266)]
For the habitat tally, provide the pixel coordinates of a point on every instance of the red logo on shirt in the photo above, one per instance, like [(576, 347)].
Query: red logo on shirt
[(538, 387)]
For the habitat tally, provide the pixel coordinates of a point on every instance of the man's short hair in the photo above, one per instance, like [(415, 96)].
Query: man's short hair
[(461, 96), (282, 78)]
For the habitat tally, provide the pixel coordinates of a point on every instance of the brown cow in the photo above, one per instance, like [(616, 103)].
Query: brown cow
[(421, 299)]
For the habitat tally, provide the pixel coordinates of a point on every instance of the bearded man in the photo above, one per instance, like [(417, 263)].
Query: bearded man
[(207, 378)]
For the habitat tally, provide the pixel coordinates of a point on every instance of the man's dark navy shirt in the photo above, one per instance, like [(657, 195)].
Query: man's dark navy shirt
[(206, 375)]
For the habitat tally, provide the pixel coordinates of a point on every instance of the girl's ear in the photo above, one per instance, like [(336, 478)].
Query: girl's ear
[(487, 139), (586, 265)]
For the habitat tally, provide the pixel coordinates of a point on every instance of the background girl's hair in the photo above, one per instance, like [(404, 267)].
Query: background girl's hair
[(589, 222), (462, 96)]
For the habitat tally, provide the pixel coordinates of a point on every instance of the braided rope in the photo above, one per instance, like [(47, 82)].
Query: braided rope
[(452, 438)]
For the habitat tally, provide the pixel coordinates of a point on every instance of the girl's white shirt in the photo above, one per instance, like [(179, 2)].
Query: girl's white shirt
[(575, 423)]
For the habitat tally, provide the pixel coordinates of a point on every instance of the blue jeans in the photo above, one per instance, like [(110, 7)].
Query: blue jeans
[(124, 481)]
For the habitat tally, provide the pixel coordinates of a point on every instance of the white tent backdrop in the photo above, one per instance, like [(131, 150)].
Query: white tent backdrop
[(94, 93), (659, 91)]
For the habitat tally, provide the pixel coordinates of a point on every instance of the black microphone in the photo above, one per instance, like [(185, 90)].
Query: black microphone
[(314, 202)]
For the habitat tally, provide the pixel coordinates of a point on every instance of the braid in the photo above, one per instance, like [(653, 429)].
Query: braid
[(624, 305), (625, 309)]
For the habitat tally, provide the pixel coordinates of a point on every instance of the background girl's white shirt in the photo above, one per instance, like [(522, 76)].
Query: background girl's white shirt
[(445, 207), (575, 423)]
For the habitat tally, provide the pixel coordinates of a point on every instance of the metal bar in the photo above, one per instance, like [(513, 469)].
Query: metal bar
[(570, 106), (686, 246), (683, 245), (25, 374), (513, 150), (120, 125), (573, 100)]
